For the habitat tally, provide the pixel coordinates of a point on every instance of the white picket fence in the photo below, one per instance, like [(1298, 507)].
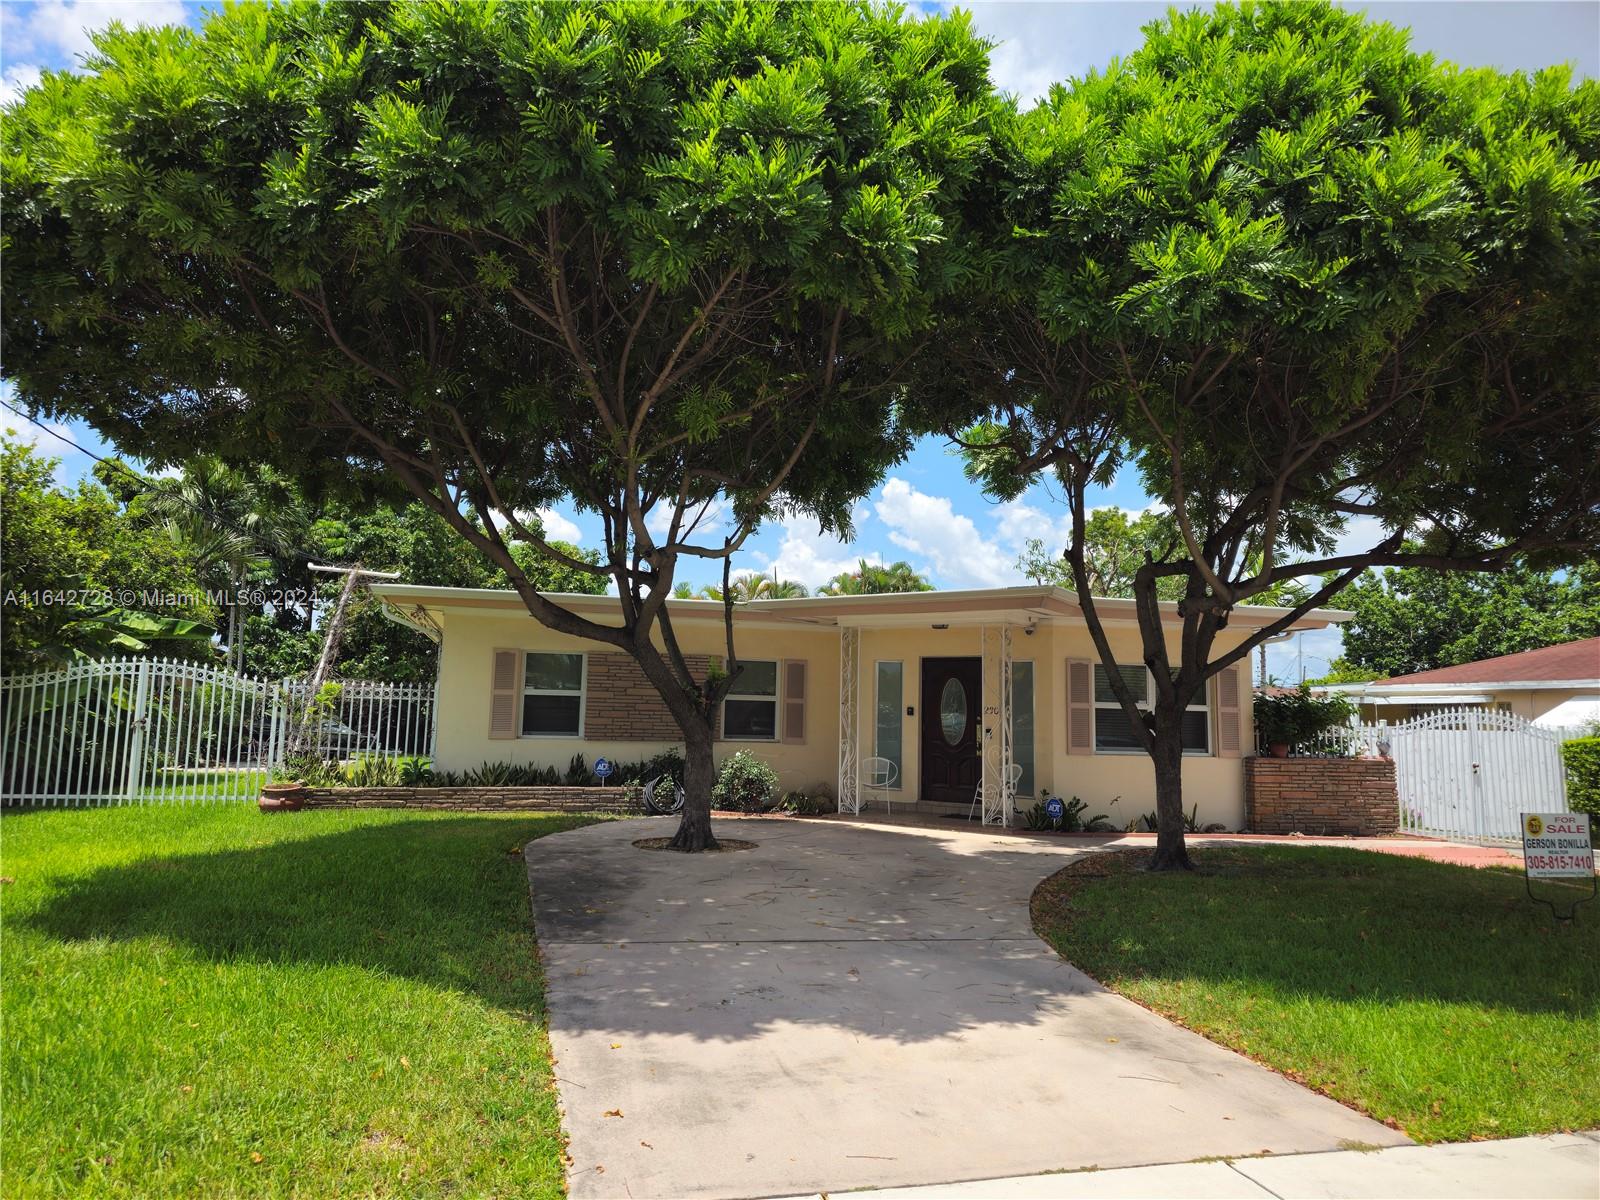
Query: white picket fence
[(1466, 773), (163, 731)]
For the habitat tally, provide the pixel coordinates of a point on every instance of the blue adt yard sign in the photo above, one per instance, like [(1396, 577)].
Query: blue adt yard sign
[(1054, 808), (602, 768)]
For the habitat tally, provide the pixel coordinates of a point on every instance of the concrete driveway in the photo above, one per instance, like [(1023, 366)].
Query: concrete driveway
[(850, 1006)]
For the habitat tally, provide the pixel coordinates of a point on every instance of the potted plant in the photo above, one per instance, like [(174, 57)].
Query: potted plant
[(282, 794), (1292, 719), (286, 790)]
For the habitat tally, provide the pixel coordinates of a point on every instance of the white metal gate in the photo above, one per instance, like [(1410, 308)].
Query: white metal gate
[(143, 730), (1468, 773)]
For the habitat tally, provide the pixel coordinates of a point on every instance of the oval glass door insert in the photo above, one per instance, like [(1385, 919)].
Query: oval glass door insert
[(953, 711)]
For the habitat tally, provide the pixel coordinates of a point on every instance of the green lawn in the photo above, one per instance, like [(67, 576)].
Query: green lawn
[(214, 1002), (1436, 998)]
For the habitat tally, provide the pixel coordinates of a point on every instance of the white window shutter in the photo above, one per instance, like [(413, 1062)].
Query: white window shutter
[(505, 686), (1228, 718), (794, 700), (1080, 706)]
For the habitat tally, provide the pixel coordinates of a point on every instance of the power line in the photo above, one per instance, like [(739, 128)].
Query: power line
[(146, 485)]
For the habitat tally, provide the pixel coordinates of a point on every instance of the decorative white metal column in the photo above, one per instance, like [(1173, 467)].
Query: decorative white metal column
[(999, 785), (849, 687)]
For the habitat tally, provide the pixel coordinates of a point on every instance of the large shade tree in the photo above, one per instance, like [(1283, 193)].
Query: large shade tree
[(1335, 302), (666, 260)]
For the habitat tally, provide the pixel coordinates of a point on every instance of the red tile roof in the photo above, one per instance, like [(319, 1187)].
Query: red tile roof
[(1547, 664)]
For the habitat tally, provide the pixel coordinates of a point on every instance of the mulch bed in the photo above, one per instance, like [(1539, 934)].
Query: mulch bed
[(665, 843)]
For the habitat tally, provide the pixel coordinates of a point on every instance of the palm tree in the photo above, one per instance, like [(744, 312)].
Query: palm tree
[(870, 579), (234, 523), (758, 587)]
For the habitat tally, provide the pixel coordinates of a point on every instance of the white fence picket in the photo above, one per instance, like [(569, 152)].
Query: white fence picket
[(1467, 773), (121, 731)]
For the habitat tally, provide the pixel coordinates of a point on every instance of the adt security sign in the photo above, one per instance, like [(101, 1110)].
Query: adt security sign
[(1054, 809), (1557, 846), (603, 768)]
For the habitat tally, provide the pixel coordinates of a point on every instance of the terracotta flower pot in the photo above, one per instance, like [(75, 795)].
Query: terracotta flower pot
[(282, 797), (1279, 749)]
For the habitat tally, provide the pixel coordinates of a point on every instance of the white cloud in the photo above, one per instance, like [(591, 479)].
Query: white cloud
[(929, 526), (700, 526), (559, 527), (15, 80), (810, 556), (1360, 535), (63, 26)]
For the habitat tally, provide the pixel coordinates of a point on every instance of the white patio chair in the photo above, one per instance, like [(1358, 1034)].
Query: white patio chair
[(879, 775), (1013, 777)]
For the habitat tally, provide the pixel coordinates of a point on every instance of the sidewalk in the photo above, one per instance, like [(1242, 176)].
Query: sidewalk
[(1563, 1166)]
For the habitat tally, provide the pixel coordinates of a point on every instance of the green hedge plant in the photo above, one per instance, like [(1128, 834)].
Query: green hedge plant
[(1296, 719), (745, 784), (1582, 757)]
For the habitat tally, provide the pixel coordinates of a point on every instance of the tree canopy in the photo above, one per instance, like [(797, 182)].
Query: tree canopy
[(83, 576), (664, 259), (1408, 619), (1295, 275), (869, 579)]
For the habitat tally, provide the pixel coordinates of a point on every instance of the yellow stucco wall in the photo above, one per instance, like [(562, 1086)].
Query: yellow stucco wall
[(466, 657), (1122, 785), (1215, 784)]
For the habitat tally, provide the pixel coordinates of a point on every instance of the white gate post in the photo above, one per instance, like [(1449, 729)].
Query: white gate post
[(849, 671), (141, 708), (275, 737)]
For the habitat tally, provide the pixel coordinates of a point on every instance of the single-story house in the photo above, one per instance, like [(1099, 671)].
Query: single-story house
[(917, 678), (1553, 685)]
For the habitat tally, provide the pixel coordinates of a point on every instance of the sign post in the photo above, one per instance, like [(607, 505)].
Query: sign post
[(1557, 846), (1055, 810)]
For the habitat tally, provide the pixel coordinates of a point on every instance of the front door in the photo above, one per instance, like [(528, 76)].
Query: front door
[(952, 708)]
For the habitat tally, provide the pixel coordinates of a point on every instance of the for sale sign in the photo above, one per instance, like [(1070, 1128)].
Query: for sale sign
[(1557, 845)]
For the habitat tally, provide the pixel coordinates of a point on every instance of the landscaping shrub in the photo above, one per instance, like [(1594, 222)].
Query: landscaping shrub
[(1582, 756), (810, 802), (579, 774), (310, 769), (372, 770), (1072, 818), (415, 770), (1298, 718), (745, 784)]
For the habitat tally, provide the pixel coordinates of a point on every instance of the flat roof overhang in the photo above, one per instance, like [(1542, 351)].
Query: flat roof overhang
[(1022, 606)]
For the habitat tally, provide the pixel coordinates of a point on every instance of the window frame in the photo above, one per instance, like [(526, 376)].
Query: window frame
[(776, 700), (877, 681), (582, 693), (1033, 704), (1096, 704)]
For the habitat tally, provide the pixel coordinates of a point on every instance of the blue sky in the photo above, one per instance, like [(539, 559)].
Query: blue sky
[(924, 512)]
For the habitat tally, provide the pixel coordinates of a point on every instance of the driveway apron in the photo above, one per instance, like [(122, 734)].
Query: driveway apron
[(853, 1006)]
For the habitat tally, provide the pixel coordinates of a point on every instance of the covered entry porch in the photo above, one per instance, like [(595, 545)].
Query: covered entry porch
[(950, 704)]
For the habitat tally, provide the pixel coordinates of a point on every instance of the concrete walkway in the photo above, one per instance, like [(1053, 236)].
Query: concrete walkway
[(1564, 1166), (856, 1006)]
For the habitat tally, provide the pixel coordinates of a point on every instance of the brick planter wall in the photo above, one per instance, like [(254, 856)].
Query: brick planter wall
[(1321, 796), (625, 800)]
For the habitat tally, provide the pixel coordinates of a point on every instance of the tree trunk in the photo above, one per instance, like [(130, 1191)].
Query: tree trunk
[(699, 773), (1167, 754)]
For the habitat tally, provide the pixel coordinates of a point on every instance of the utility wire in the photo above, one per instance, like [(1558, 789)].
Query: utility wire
[(145, 484)]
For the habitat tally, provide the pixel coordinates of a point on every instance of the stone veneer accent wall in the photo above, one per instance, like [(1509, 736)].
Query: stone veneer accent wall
[(621, 705), (1321, 796), (530, 799)]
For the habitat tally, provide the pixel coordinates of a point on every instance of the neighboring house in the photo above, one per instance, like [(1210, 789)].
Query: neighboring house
[(1553, 685), (830, 680)]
